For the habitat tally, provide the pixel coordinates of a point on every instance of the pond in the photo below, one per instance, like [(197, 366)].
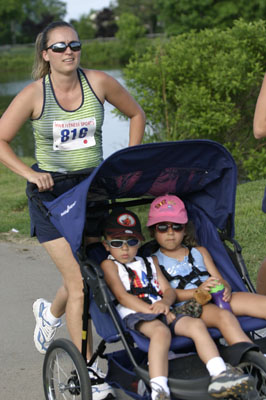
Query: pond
[(115, 130)]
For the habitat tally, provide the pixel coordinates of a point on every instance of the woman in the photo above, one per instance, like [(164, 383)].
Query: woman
[(65, 106), (259, 131)]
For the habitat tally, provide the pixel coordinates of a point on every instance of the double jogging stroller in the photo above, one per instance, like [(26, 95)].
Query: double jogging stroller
[(203, 174)]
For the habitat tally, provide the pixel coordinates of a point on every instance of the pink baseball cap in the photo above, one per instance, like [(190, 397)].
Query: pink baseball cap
[(168, 208)]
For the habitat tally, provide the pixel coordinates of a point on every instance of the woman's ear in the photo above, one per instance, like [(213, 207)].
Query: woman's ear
[(45, 56)]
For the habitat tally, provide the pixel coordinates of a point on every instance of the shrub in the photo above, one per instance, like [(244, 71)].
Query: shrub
[(205, 85)]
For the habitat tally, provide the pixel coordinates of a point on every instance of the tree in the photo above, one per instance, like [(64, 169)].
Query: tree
[(85, 26), (205, 85), (105, 23), (145, 10), (129, 32), (23, 20), (183, 15)]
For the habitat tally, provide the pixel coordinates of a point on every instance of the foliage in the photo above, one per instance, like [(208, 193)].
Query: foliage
[(22, 20), (84, 27), (105, 23), (100, 54), (17, 58), (204, 85), (249, 219), (129, 33), (145, 10), (183, 15)]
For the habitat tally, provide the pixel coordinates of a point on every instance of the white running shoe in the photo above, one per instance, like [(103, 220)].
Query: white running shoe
[(44, 332), (101, 390)]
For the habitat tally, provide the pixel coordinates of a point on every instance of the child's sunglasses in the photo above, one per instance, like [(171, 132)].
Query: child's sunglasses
[(163, 227), (118, 243), (60, 47)]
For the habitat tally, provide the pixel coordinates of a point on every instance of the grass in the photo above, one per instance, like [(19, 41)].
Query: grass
[(249, 218)]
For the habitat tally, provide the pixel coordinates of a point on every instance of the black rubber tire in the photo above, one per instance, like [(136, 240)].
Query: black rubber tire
[(254, 363), (65, 374)]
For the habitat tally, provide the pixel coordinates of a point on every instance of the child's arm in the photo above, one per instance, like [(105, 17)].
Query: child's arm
[(169, 295), (215, 274), (116, 286)]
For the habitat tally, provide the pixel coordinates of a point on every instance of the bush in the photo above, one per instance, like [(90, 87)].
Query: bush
[(205, 85)]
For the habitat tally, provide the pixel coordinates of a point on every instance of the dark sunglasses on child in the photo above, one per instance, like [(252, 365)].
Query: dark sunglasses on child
[(163, 227), (118, 243), (60, 47)]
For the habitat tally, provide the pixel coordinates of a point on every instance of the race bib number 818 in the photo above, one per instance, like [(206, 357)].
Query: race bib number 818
[(72, 135)]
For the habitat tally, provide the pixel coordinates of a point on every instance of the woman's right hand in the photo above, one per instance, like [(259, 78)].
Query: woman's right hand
[(43, 180)]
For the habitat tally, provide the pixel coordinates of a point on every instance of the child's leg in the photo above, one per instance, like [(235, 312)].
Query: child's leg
[(226, 322), (251, 304), (160, 339), (196, 329), (225, 380)]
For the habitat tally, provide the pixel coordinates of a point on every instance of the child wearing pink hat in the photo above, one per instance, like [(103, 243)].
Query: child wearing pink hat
[(190, 267)]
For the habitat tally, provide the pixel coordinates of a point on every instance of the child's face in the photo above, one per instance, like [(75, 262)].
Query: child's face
[(128, 250), (169, 235)]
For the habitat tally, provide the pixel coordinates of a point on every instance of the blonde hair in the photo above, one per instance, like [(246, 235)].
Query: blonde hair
[(41, 67)]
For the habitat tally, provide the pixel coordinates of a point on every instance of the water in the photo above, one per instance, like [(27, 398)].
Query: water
[(115, 130)]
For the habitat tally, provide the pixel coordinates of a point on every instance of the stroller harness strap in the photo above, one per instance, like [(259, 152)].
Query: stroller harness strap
[(184, 280), (140, 291)]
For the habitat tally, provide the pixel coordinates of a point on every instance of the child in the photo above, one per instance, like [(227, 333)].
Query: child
[(168, 223), (145, 298)]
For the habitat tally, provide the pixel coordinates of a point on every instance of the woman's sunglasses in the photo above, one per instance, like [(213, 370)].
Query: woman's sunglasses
[(118, 243), (163, 227), (60, 47)]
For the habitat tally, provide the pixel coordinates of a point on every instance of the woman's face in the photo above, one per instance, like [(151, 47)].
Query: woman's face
[(68, 60)]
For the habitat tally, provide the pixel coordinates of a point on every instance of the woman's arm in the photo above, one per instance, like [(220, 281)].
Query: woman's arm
[(109, 89), (19, 111), (259, 122)]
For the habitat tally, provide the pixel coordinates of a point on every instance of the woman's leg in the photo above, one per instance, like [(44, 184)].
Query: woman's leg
[(160, 339), (226, 322), (58, 305), (61, 253), (261, 278)]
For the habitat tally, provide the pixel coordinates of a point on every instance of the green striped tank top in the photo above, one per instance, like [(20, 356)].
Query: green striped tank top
[(69, 140)]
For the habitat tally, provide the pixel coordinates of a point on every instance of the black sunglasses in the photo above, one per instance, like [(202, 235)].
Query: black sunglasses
[(118, 243), (60, 47), (163, 227)]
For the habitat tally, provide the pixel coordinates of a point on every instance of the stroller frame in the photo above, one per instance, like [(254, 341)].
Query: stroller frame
[(211, 169)]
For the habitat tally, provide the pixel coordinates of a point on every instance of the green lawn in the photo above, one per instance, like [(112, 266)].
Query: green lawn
[(250, 221)]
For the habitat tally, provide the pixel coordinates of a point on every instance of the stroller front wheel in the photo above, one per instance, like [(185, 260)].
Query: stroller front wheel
[(65, 374), (254, 364)]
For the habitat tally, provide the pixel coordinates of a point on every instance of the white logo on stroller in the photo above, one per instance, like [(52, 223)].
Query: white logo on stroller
[(69, 207)]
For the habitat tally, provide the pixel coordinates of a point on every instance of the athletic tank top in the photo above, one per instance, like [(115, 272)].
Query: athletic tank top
[(183, 268), (69, 140), (139, 267)]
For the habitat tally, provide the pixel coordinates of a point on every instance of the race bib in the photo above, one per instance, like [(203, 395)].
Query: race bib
[(72, 135)]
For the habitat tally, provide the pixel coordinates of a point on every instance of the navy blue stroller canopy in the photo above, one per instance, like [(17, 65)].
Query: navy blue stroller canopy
[(201, 172)]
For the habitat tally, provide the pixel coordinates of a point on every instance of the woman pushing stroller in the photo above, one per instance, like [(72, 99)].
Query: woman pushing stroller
[(144, 300)]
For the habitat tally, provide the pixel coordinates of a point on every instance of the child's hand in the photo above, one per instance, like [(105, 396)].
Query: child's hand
[(159, 308), (227, 294), (210, 283), (170, 317)]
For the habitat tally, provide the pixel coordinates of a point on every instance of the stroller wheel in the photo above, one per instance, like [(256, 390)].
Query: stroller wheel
[(65, 375), (254, 364)]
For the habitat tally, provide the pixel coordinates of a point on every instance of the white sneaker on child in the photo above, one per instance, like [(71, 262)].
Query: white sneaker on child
[(44, 331), (101, 390)]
